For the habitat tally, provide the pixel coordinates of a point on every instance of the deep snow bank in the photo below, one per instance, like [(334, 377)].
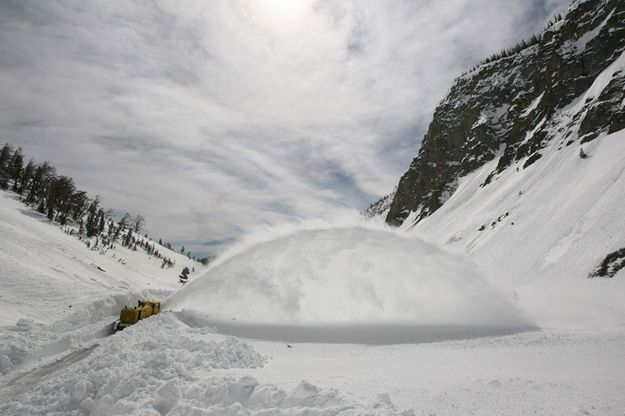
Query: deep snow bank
[(343, 275), (29, 343), (163, 366)]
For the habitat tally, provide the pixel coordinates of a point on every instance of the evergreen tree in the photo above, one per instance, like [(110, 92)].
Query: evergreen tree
[(16, 165), (138, 223), (128, 239), (5, 157), (101, 221), (27, 175), (124, 222), (111, 226), (43, 175), (79, 205), (58, 200), (184, 275), (91, 227)]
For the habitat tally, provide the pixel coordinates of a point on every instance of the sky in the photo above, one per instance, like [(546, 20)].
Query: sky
[(211, 118)]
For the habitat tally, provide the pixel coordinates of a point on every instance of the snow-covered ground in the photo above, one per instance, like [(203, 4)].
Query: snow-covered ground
[(283, 354), (55, 292)]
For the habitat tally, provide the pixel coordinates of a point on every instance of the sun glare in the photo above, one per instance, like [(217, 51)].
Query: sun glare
[(284, 9)]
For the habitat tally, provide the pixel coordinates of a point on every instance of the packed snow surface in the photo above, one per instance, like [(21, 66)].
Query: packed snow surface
[(347, 275)]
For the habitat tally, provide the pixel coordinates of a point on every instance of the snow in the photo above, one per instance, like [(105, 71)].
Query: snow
[(67, 362), (347, 275), (38, 253), (55, 292), (532, 106), (579, 45), (531, 133), (187, 363), (566, 211), (164, 366), (547, 372), (345, 318), (599, 84), (482, 119)]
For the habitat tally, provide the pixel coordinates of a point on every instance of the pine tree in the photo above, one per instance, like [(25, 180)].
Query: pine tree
[(101, 221), (124, 222), (128, 239), (138, 223), (44, 174), (91, 227), (184, 275), (79, 205), (5, 158), (27, 174), (15, 167), (59, 198)]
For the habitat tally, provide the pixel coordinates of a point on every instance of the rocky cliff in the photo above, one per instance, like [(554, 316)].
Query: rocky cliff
[(544, 91)]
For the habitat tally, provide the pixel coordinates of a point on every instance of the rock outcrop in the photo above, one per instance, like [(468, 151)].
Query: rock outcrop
[(550, 88)]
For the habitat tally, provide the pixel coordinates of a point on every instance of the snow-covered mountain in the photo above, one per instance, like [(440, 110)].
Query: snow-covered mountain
[(562, 89), (522, 166)]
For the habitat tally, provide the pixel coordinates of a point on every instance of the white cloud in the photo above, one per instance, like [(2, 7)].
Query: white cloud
[(211, 117)]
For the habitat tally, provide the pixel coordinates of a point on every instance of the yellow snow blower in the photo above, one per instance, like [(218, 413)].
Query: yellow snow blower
[(131, 315)]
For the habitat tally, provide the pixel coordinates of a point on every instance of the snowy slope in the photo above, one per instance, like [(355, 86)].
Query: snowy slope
[(39, 262), (545, 229), (56, 295)]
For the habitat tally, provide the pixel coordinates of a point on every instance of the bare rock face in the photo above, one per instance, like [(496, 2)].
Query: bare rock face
[(514, 104)]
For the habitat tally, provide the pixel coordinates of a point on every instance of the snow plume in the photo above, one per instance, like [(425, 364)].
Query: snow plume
[(354, 274)]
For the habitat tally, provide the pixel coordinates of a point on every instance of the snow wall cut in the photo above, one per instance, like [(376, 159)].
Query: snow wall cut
[(357, 275)]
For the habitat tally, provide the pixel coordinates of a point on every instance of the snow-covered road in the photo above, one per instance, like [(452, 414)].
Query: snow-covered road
[(175, 363), (542, 372)]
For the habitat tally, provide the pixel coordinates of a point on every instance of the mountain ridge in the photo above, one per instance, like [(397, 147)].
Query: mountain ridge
[(511, 108)]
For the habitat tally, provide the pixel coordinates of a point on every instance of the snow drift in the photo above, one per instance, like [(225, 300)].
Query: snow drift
[(352, 274)]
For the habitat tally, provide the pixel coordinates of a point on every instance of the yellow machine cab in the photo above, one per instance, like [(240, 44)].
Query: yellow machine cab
[(131, 315)]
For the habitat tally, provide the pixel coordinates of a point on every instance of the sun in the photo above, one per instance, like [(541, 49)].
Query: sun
[(284, 9)]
